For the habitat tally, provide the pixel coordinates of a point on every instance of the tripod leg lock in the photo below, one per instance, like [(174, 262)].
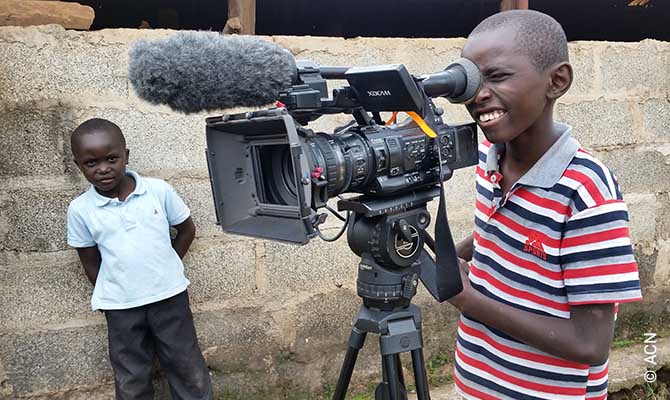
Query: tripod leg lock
[(357, 338)]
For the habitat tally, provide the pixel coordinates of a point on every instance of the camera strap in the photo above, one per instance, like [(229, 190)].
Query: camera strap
[(425, 128), (448, 276)]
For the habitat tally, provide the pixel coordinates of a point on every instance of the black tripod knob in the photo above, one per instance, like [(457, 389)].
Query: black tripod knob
[(410, 285)]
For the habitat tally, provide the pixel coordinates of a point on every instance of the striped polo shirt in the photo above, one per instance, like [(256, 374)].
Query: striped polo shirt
[(558, 238)]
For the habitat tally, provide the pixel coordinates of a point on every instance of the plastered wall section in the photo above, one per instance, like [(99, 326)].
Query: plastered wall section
[(267, 314)]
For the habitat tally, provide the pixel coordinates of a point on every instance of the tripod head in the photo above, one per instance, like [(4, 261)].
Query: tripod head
[(389, 235)]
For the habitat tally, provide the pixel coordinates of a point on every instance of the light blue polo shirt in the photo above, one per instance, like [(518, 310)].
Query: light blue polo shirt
[(139, 265)]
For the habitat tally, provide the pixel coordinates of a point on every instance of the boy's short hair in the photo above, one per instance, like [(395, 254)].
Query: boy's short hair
[(537, 34), (96, 125)]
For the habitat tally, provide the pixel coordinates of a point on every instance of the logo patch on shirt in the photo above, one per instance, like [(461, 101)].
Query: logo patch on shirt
[(155, 211), (534, 246)]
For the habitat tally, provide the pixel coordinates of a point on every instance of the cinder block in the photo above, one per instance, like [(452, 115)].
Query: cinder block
[(323, 325), (663, 216), (643, 169), (313, 267), (582, 59), (34, 219), (325, 317), (101, 392), (197, 193), (33, 139), (656, 120), (662, 271), (235, 340), (41, 291), (420, 56), (600, 123), (219, 271), (642, 214), (55, 360), (636, 68), (49, 63), (646, 255), (651, 315)]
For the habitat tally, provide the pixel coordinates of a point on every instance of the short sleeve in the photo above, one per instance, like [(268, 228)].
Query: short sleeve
[(78, 234), (175, 208), (597, 256)]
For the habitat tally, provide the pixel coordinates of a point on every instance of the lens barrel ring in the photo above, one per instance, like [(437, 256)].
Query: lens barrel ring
[(330, 161)]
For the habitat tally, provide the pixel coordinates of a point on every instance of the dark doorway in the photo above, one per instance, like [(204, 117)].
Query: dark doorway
[(613, 20)]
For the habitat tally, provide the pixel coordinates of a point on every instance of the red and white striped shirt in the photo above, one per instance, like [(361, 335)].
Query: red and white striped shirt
[(559, 238)]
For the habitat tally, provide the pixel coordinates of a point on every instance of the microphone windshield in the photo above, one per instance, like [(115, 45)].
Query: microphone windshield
[(204, 71)]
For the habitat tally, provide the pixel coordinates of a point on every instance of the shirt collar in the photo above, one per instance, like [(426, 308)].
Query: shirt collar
[(101, 200), (550, 167)]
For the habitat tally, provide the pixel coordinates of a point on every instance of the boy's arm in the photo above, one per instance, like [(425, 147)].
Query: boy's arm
[(90, 258), (185, 235), (584, 338), (464, 248)]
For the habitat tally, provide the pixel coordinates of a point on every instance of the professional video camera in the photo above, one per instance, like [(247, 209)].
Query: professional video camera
[(271, 176)]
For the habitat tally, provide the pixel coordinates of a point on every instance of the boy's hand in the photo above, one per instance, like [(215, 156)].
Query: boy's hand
[(184, 238), (585, 337), (459, 301)]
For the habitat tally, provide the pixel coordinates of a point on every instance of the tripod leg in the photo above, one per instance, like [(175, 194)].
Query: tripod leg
[(356, 340), (393, 379), (401, 378), (420, 377)]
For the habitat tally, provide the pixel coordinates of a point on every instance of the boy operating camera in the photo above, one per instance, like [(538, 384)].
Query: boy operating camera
[(121, 230), (550, 256)]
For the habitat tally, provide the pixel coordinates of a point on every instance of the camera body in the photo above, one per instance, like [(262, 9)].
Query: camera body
[(271, 174)]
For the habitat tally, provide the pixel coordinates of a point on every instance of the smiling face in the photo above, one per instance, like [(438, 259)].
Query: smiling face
[(513, 100), (102, 157)]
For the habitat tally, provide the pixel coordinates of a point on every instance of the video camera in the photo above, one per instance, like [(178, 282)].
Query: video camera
[(271, 174)]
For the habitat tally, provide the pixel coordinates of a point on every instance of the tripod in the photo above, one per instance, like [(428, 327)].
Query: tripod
[(389, 235)]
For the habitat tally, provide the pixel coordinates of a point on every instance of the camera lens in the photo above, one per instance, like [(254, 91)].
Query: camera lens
[(279, 186), (345, 160), (287, 174)]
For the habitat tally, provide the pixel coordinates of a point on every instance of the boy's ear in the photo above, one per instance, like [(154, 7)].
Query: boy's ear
[(127, 154), (560, 79)]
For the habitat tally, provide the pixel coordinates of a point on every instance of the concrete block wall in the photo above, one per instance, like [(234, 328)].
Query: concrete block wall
[(271, 318)]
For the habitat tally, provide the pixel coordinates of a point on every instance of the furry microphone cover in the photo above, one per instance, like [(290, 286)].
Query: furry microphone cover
[(204, 71)]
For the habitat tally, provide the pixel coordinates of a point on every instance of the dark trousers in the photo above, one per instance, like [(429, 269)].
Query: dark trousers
[(165, 329)]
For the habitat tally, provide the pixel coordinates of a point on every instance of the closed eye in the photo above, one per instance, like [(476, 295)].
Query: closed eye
[(498, 77)]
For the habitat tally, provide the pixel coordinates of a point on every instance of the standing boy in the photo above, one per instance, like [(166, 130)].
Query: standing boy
[(551, 254), (121, 230)]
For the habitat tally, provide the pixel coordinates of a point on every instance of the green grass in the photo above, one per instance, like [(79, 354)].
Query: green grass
[(439, 369), (617, 344)]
